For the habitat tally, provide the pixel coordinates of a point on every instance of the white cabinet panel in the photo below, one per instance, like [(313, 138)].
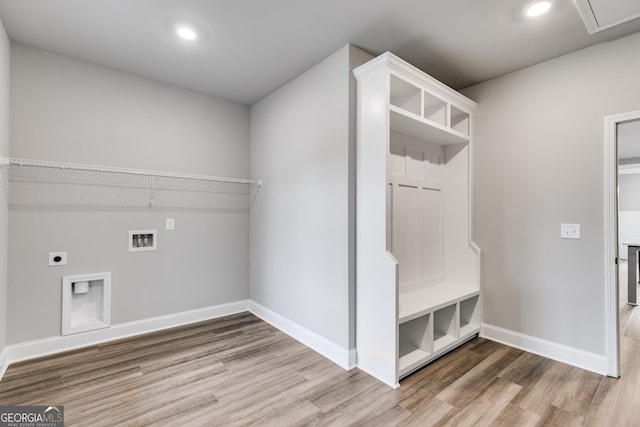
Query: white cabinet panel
[(417, 233), (432, 166), (405, 232), (397, 160), (430, 236), (415, 163)]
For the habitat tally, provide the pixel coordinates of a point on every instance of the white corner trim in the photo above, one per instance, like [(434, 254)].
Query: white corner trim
[(4, 362), (610, 297), (610, 158), (43, 347), (338, 355), (353, 359), (590, 19), (587, 15), (572, 356)]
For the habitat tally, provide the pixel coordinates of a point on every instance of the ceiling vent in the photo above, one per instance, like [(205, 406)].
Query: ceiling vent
[(599, 15)]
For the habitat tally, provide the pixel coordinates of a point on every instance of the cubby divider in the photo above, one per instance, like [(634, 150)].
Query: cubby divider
[(469, 315), (445, 330)]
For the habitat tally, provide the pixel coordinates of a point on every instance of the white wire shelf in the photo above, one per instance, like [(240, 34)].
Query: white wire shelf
[(44, 183)]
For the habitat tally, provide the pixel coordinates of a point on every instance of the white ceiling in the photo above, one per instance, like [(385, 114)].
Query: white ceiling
[(251, 47)]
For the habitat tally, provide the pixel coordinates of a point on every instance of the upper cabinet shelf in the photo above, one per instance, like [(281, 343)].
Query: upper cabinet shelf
[(424, 116), (423, 129)]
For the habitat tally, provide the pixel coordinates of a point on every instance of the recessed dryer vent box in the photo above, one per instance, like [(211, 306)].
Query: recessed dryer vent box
[(86, 303), (143, 240)]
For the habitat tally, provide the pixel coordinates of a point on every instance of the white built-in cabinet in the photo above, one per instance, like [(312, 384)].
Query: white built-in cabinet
[(418, 280)]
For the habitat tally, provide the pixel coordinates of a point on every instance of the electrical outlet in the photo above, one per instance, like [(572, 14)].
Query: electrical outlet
[(170, 224), (57, 258), (570, 231)]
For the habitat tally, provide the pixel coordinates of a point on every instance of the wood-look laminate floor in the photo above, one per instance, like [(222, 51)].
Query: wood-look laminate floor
[(239, 370)]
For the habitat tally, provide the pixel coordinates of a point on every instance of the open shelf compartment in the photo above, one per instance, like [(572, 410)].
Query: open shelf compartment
[(435, 109), (404, 95), (444, 327), (422, 129), (459, 120), (415, 343), (469, 316)]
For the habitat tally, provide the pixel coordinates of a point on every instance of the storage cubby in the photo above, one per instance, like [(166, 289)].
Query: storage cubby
[(417, 268), (435, 109), (404, 95), (415, 342), (444, 327), (459, 120), (469, 316)]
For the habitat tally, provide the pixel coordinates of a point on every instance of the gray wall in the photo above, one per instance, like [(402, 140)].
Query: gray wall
[(72, 111), (538, 163), (302, 220), (4, 151), (629, 192)]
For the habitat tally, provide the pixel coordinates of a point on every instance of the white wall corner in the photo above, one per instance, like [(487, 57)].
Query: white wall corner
[(340, 356), (572, 356), (32, 349), (4, 362)]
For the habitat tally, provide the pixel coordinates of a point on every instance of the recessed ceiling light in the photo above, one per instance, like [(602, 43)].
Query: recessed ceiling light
[(537, 8), (186, 33)]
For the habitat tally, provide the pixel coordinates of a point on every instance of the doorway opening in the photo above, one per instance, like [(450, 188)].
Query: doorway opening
[(622, 158)]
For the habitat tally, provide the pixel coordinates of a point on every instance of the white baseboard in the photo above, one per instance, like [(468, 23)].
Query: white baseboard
[(340, 356), (4, 362), (43, 347), (572, 356)]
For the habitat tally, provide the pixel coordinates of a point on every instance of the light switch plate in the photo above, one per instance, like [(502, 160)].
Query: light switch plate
[(170, 224), (570, 231)]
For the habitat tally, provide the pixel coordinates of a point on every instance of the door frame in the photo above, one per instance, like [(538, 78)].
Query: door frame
[(612, 323)]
